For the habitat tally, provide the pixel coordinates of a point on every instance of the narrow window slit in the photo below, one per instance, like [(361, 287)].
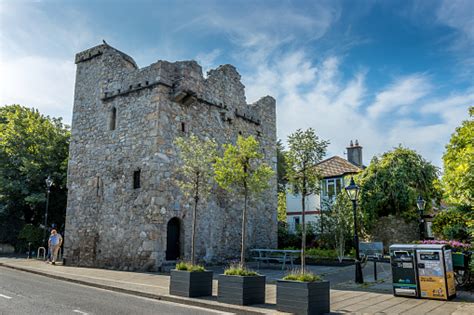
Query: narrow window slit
[(113, 118), (136, 179)]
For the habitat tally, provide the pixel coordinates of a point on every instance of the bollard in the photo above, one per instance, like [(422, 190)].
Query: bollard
[(375, 270)]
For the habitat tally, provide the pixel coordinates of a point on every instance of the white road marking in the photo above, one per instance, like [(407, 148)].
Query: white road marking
[(80, 312), (193, 307), (5, 296)]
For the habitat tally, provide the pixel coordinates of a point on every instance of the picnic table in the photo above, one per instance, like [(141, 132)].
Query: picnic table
[(278, 255), (371, 249)]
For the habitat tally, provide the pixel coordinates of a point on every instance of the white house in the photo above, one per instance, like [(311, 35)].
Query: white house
[(335, 172)]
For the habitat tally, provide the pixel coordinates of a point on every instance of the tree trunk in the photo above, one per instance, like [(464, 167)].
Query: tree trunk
[(193, 235), (244, 218), (303, 236), (322, 222)]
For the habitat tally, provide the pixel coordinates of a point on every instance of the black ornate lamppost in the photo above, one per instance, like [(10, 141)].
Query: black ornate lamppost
[(353, 192), (420, 203), (49, 183)]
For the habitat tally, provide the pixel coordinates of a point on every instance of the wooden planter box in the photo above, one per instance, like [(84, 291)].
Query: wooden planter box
[(303, 297), (241, 290), (191, 284)]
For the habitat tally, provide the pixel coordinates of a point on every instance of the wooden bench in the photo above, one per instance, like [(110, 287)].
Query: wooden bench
[(274, 255)]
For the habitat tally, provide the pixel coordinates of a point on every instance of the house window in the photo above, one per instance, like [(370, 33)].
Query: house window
[(331, 187), (113, 118), (296, 220), (136, 179)]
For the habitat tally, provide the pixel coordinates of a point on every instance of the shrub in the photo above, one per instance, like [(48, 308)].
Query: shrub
[(321, 253), (285, 238), (30, 233), (288, 239), (186, 266), (297, 275), (453, 224), (238, 270)]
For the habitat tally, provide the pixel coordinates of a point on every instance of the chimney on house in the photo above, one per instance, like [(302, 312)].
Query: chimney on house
[(354, 153)]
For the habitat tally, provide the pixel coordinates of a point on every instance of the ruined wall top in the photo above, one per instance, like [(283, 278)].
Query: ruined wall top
[(222, 87)]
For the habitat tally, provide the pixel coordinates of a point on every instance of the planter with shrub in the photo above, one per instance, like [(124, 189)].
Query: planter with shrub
[(300, 293), (190, 280), (241, 286)]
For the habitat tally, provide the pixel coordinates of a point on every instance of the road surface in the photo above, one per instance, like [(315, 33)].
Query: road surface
[(26, 293)]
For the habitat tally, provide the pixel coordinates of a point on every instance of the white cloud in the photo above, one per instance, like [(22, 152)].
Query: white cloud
[(404, 92), (38, 82), (314, 95), (37, 57), (208, 60), (458, 14), (262, 28)]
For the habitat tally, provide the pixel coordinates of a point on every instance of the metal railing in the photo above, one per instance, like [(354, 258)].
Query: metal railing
[(39, 253)]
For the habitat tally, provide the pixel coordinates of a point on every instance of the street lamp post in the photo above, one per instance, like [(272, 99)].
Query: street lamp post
[(420, 203), (353, 191), (49, 183)]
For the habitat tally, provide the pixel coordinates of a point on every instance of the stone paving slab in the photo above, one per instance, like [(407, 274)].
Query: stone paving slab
[(155, 286)]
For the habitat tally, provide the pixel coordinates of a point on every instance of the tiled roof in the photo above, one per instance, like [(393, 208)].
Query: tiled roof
[(336, 166)]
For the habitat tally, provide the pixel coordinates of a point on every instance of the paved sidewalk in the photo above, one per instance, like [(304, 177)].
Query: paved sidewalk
[(154, 285)]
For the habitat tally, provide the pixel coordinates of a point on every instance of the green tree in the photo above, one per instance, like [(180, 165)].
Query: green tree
[(196, 171), (458, 178), (281, 207), (242, 171), (454, 224), (281, 181), (391, 184), (305, 151), (281, 167), (32, 146), (339, 217)]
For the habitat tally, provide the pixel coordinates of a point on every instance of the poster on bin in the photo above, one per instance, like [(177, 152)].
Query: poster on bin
[(431, 276)]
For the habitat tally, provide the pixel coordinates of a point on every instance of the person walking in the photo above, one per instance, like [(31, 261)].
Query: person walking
[(55, 242)]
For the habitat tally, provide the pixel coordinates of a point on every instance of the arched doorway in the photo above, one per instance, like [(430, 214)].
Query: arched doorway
[(172, 239)]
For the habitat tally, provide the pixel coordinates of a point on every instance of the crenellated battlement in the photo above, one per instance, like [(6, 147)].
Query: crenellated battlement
[(222, 88)]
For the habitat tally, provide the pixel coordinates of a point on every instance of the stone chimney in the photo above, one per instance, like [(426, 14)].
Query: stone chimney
[(354, 153)]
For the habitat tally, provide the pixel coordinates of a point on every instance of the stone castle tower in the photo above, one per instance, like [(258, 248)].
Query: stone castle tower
[(124, 209)]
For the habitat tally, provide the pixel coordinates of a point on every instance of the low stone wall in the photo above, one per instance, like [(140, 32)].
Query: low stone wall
[(394, 230), (6, 249)]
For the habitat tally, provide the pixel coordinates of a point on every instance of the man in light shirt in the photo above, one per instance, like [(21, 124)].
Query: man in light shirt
[(54, 243)]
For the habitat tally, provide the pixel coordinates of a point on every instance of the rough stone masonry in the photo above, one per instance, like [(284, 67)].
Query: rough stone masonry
[(124, 209)]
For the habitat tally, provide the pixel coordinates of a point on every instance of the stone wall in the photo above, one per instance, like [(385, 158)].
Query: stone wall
[(109, 223), (394, 230)]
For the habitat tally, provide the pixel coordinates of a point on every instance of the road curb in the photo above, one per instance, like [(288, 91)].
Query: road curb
[(167, 298)]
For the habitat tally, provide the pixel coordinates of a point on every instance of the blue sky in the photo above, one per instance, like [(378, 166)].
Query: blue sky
[(382, 72)]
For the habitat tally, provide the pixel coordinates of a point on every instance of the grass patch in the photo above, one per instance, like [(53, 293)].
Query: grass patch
[(302, 277), (237, 270), (186, 266)]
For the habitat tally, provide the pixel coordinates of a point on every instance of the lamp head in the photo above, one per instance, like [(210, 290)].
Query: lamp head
[(49, 182), (420, 203), (352, 190)]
